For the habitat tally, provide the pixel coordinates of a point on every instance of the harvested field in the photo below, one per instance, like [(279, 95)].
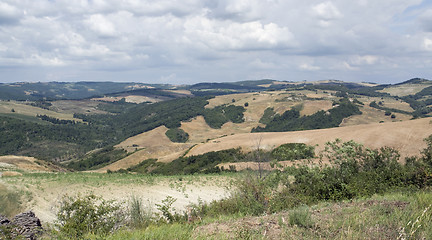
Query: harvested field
[(24, 109), (373, 115), (311, 107), (407, 137), (405, 89), (152, 144)]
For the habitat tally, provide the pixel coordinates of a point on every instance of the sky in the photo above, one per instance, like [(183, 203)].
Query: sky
[(190, 41)]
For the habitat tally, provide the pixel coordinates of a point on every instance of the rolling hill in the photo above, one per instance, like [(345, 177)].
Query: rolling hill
[(135, 117)]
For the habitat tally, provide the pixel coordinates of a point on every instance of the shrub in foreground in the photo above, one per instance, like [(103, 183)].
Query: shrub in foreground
[(81, 215)]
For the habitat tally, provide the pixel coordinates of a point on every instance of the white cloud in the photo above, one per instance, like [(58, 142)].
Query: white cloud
[(308, 67), (326, 12), (229, 35), (101, 25), (427, 44), (205, 40), (364, 60), (9, 14)]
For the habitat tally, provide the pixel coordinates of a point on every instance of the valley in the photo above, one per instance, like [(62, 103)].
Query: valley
[(115, 144)]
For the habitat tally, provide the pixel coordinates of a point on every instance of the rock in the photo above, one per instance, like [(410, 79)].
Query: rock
[(27, 225), (4, 220)]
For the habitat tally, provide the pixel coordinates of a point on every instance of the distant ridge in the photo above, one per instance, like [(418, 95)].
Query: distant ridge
[(415, 81)]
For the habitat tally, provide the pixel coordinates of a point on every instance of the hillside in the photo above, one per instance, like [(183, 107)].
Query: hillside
[(406, 136), (74, 130), (14, 164)]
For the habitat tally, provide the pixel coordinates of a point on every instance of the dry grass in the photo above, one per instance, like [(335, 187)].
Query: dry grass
[(77, 106), (24, 109), (128, 98), (405, 90), (311, 107), (151, 144), (407, 137), (27, 164)]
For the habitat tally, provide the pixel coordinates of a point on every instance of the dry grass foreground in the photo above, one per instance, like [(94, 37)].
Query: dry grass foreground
[(42, 192)]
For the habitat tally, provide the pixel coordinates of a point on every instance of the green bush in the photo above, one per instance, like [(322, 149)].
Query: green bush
[(293, 151), (140, 216), (81, 215), (301, 217)]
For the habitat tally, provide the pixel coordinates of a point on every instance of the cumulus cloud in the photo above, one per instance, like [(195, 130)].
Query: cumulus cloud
[(308, 67), (364, 60), (228, 35), (207, 40), (326, 12), (427, 44), (9, 14), (101, 25)]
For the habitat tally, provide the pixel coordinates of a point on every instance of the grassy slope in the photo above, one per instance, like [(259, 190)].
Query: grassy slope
[(30, 111), (390, 216), (406, 136)]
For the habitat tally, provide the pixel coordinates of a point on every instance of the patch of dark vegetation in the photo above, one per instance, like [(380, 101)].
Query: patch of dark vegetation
[(220, 115), (177, 135), (145, 166), (34, 139), (291, 120), (54, 120), (145, 117), (268, 115), (41, 104), (116, 107), (376, 105), (205, 163), (98, 159)]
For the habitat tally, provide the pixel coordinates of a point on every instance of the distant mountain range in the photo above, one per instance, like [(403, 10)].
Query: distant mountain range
[(23, 91)]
